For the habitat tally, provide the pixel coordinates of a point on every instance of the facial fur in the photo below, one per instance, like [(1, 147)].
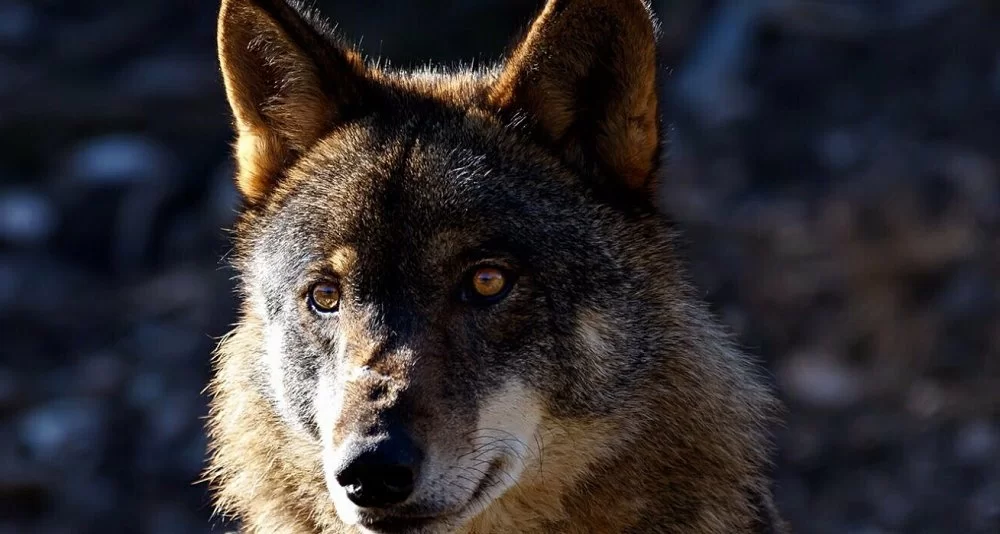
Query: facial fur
[(595, 364)]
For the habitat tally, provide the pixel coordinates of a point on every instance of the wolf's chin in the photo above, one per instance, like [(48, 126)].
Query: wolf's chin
[(490, 487)]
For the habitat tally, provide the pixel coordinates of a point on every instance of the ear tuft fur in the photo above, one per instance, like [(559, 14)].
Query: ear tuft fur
[(587, 74), (287, 81)]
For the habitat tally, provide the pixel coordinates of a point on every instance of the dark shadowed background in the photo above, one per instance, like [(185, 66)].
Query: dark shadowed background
[(834, 163)]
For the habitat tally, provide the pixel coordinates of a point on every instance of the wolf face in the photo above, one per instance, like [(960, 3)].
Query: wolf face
[(470, 296), (457, 287)]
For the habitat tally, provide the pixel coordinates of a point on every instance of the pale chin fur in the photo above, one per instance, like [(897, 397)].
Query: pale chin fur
[(515, 409)]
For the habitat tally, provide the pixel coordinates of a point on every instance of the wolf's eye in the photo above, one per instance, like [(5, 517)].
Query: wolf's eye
[(324, 297), (486, 285)]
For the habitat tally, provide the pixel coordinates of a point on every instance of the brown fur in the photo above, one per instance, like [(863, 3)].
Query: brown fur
[(679, 447), (280, 89), (590, 37)]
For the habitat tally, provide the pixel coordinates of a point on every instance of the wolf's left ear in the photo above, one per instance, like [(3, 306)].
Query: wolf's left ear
[(586, 74), (288, 84)]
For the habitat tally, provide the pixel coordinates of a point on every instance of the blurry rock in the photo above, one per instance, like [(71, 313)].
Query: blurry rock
[(191, 459), (65, 434), (171, 76), (908, 13), (969, 294), (844, 18), (135, 232), (145, 389), (162, 343), (817, 379), (169, 518), (925, 399), (710, 86), (173, 416), (23, 493), (121, 183), (840, 149), (224, 199), (892, 505), (101, 373), (43, 290), (168, 427), (873, 433), (26, 217), (996, 76), (985, 507), (92, 497), (10, 284), (977, 442), (120, 159), (976, 177), (18, 22), (183, 239), (10, 390), (184, 294), (854, 18), (805, 445)]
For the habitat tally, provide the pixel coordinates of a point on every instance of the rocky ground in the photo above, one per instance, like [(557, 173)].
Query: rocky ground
[(835, 165)]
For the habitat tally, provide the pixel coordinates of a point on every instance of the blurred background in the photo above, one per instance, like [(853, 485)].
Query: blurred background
[(833, 162)]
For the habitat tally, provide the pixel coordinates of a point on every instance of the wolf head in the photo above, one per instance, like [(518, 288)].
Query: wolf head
[(450, 278)]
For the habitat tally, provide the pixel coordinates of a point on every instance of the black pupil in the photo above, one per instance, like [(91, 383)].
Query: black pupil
[(325, 297)]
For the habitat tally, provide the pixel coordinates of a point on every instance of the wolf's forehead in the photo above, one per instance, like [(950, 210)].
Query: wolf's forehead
[(421, 191)]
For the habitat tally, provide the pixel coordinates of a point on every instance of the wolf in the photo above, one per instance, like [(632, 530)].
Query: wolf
[(462, 309)]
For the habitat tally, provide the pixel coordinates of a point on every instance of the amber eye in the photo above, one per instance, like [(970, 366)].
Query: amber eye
[(487, 284), (324, 297)]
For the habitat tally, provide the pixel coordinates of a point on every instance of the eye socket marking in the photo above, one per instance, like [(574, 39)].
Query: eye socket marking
[(324, 297), (487, 284)]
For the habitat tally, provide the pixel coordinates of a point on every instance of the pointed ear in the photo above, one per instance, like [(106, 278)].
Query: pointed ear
[(288, 83), (586, 74)]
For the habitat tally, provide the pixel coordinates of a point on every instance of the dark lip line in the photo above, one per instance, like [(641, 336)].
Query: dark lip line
[(393, 524), (399, 524), (489, 479)]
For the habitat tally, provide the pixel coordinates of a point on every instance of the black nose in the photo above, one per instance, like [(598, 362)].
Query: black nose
[(383, 474)]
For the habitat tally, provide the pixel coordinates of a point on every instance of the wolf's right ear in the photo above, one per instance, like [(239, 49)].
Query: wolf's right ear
[(586, 75), (288, 83)]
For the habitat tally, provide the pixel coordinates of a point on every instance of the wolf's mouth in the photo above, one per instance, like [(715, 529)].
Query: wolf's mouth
[(488, 481), (417, 523), (398, 525)]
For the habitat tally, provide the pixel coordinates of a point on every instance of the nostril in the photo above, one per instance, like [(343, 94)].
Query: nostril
[(350, 481), (377, 486), (398, 479)]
